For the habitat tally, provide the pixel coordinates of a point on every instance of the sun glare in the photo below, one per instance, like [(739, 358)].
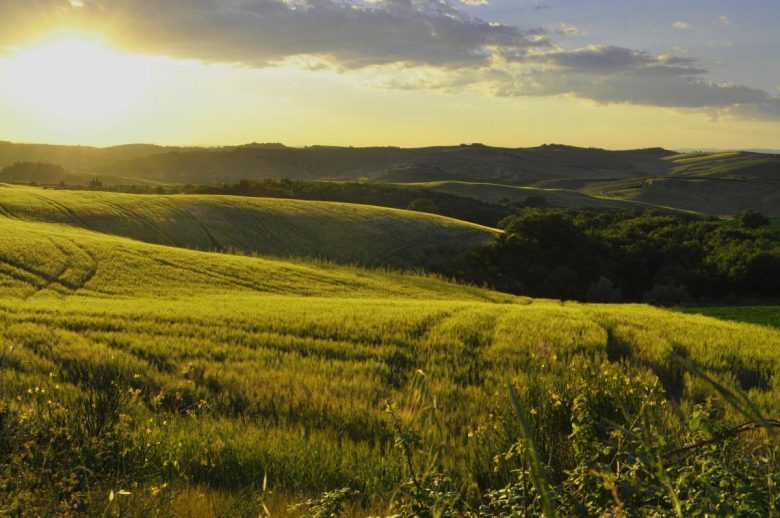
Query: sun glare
[(76, 79)]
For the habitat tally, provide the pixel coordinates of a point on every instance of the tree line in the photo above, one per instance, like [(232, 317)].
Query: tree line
[(609, 255)]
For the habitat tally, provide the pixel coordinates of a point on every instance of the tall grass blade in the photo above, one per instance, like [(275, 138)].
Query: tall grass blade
[(537, 469)]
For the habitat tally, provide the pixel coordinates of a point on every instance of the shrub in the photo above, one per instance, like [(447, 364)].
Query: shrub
[(753, 219)]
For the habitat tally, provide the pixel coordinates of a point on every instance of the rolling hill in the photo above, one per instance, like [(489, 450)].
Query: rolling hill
[(53, 259), (708, 195), (599, 177), (473, 162), (340, 232), (494, 193), (145, 379)]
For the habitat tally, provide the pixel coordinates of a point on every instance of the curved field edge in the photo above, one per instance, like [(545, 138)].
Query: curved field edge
[(340, 232)]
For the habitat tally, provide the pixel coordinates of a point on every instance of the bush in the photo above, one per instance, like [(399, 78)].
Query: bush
[(667, 294), (604, 290), (753, 219)]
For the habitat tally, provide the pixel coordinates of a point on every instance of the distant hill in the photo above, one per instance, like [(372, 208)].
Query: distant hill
[(259, 161), (340, 232), (590, 176), (712, 196), (77, 158), (494, 193), (52, 174), (733, 165)]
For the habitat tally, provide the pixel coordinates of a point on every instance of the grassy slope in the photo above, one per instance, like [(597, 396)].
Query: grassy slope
[(345, 233), (717, 197), (294, 387), (710, 183), (716, 184), (734, 165), (493, 192), (764, 315), (42, 259), (246, 367)]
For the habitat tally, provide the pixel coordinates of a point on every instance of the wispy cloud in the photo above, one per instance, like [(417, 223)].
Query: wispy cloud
[(568, 30), (682, 25)]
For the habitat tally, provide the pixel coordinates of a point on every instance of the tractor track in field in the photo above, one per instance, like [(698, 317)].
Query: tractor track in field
[(74, 217), (131, 216), (207, 274), (49, 280), (197, 223)]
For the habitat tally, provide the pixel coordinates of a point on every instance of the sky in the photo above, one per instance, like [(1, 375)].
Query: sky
[(615, 74)]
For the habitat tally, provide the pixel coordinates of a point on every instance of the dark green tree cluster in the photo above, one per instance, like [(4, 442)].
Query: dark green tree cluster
[(610, 255)]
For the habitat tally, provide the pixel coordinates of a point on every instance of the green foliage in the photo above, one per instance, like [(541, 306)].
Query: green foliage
[(329, 504), (765, 315), (753, 219), (603, 290), (656, 257)]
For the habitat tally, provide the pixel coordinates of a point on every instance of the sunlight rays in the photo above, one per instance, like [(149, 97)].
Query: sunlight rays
[(76, 78)]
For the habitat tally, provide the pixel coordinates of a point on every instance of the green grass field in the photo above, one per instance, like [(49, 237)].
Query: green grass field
[(141, 379), (764, 315), (340, 232), (493, 192)]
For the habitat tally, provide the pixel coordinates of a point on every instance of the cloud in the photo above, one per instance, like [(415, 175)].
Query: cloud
[(681, 25), (475, 2), (724, 21), (610, 59), (612, 75), (262, 32), (402, 44), (569, 30)]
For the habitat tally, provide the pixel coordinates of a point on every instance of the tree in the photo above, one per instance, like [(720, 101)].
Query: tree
[(752, 219), (604, 290), (535, 202)]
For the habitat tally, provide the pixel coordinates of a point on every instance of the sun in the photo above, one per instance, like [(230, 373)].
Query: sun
[(76, 79)]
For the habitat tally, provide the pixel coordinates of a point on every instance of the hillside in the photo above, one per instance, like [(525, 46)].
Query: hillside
[(181, 381), (345, 233), (735, 165), (229, 392), (494, 193), (51, 174), (44, 259), (703, 194), (78, 158)]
